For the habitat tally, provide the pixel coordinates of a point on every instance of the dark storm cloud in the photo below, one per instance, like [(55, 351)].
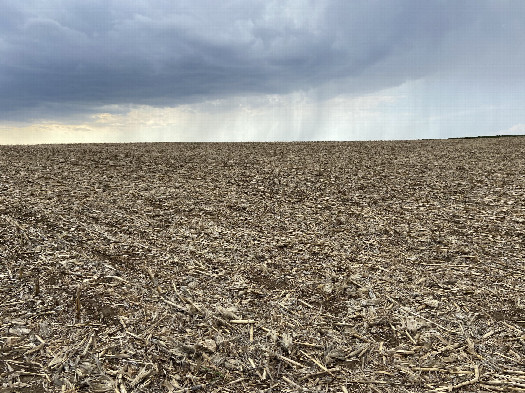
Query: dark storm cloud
[(77, 55)]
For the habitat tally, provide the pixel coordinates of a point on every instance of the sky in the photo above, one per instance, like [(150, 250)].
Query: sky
[(259, 70)]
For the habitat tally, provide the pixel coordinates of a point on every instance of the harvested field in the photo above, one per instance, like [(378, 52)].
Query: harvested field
[(277, 267)]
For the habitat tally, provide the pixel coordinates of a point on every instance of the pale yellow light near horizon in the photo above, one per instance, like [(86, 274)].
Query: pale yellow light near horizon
[(268, 117), (387, 114)]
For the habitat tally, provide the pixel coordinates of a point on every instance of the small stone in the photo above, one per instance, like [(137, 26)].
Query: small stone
[(233, 364), (328, 287), (208, 345), (369, 302), (286, 341), (19, 330), (412, 325), (45, 329), (335, 354), (227, 313), (431, 302)]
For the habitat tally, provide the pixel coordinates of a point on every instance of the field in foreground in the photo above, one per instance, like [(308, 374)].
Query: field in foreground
[(330, 267)]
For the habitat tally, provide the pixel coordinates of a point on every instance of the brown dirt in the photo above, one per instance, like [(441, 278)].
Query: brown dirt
[(277, 267)]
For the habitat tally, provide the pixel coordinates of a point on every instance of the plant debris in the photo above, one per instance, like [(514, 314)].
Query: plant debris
[(269, 267)]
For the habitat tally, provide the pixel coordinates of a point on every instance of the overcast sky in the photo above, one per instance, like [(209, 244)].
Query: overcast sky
[(206, 70)]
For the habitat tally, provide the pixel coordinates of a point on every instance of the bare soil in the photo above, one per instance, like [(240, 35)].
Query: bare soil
[(263, 267)]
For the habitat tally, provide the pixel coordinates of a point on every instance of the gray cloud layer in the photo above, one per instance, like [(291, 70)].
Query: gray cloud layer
[(74, 55)]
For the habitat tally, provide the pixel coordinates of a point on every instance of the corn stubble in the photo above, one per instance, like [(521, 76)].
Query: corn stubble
[(330, 267)]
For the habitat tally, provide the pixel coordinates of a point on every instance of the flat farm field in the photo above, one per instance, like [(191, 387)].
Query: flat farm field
[(263, 267)]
